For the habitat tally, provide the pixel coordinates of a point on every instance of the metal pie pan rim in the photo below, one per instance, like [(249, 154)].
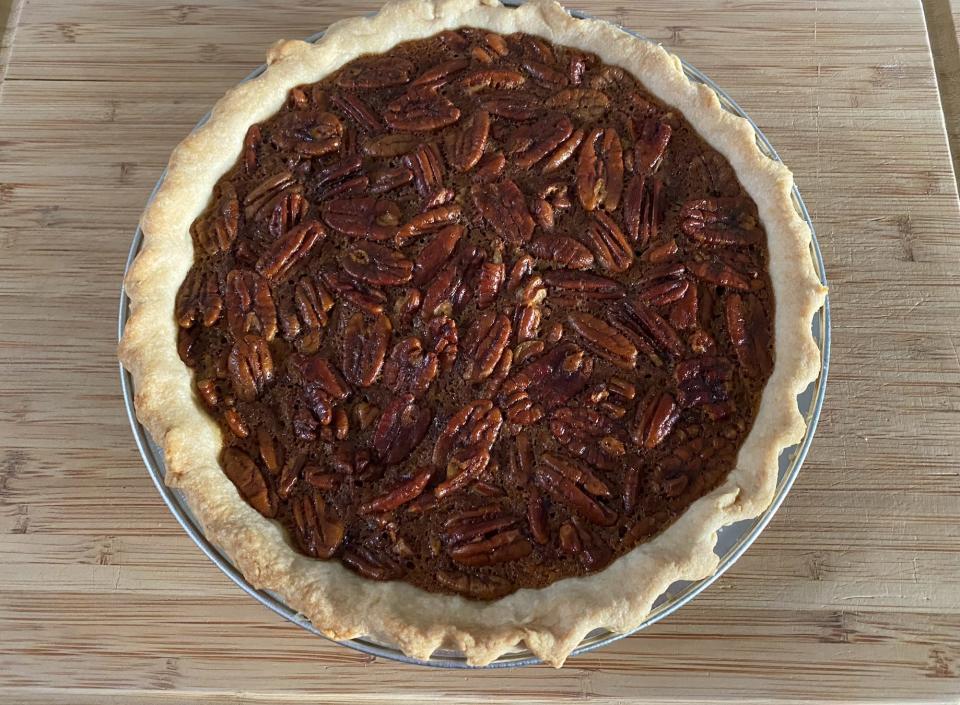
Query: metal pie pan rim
[(795, 454)]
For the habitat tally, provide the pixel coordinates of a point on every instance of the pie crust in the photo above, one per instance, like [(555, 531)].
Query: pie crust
[(550, 621)]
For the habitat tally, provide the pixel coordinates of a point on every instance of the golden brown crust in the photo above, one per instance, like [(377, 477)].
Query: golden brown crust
[(550, 621)]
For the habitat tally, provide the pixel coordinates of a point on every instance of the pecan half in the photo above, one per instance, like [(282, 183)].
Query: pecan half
[(490, 167), (657, 330), (567, 492), (553, 378), (249, 481), (484, 343), (521, 409), (683, 313), (401, 427), (407, 305), (310, 133), (662, 252), (352, 106), (502, 205), (421, 109), (290, 474), (500, 548), (327, 178), (747, 326), (249, 304), (545, 74), (390, 145), (442, 339), (537, 518), (563, 152), (577, 540), (608, 243), (655, 419), (371, 563), (251, 143), (307, 313), (489, 279), (439, 295), (376, 73), (410, 369), (604, 339), (703, 380), (427, 167), (587, 104), (496, 78), (576, 472), (266, 191), (527, 349), (218, 230), (376, 264), (271, 452), (349, 187), (576, 67), (527, 322), (511, 105), (388, 179), (316, 371), (720, 222), (465, 144), (663, 292), (199, 297), (441, 73), (652, 137), (429, 220), (466, 466), (589, 434), (562, 251), (364, 348), (250, 366), (368, 217), (643, 209), (366, 414), (286, 210), (600, 170), (721, 274), (589, 285), (399, 495), (531, 143), (611, 77), (287, 252), (477, 424)]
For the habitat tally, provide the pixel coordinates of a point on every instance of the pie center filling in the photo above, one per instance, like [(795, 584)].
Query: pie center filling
[(479, 314)]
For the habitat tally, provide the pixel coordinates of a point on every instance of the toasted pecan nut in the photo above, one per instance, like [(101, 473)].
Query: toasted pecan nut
[(287, 252), (600, 170), (365, 348), (249, 480)]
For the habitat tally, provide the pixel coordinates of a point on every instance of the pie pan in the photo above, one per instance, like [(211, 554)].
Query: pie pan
[(732, 540)]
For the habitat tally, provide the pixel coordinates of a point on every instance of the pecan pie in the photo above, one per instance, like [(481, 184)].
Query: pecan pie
[(469, 326)]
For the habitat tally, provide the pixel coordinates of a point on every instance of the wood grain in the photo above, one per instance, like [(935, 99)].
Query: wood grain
[(850, 595), (943, 21)]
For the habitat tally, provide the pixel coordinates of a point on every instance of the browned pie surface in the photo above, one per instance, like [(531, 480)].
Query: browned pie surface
[(478, 314)]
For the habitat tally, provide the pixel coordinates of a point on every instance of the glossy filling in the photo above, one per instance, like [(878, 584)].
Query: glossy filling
[(478, 314)]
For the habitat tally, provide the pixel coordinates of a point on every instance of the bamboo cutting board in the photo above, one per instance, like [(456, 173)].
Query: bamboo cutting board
[(852, 593)]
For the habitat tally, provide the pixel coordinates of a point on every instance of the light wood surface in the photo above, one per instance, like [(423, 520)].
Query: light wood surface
[(943, 29), (853, 592)]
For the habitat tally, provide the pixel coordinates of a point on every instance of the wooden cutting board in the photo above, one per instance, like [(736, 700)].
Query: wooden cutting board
[(851, 594)]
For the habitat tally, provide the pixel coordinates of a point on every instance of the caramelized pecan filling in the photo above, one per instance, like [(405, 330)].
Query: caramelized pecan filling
[(478, 314)]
